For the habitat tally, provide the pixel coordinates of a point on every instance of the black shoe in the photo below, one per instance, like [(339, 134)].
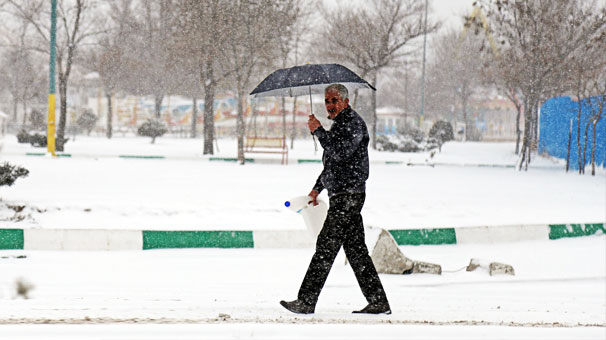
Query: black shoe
[(298, 306), (375, 308)]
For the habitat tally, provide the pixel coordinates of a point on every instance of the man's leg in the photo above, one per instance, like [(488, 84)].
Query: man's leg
[(327, 246), (357, 255)]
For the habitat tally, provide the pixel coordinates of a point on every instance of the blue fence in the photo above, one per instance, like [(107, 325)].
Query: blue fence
[(556, 114)]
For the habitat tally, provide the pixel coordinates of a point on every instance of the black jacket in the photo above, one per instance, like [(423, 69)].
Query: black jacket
[(345, 156)]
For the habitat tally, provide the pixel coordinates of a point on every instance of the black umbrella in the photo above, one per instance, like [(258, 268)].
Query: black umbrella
[(307, 79)]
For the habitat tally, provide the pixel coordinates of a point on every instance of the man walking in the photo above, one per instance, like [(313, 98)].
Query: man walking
[(345, 172)]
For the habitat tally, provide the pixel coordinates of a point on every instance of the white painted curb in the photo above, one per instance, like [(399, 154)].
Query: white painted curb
[(502, 234), (82, 239)]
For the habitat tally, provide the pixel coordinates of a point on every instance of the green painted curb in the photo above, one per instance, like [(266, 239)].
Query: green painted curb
[(415, 237), (11, 239), (309, 161), (153, 239), (557, 231), (227, 159), (142, 157), (64, 155), (35, 153)]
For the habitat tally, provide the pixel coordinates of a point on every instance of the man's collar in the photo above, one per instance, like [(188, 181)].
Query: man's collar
[(343, 113)]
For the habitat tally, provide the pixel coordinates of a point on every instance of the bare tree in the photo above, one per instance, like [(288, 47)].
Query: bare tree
[(598, 108), (22, 76), (76, 22), (295, 20), (540, 38), (110, 57), (150, 51), (255, 29), (372, 38), (202, 34), (458, 66)]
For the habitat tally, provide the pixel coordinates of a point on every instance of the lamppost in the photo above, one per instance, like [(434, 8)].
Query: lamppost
[(50, 131), (423, 74)]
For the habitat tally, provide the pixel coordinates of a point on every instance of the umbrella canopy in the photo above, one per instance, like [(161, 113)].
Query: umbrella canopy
[(307, 79)]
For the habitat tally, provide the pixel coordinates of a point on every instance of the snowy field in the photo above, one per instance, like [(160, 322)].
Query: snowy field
[(558, 292), (96, 189)]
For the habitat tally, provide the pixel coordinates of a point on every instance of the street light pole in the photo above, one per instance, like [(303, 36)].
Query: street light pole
[(423, 74), (50, 131)]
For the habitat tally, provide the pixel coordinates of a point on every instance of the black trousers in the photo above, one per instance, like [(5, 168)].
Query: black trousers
[(343, 227)]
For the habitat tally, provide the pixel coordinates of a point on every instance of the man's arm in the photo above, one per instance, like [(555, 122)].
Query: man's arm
[(339, 144), (317, 189)]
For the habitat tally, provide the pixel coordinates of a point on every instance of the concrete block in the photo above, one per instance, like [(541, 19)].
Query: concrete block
[(496, 268), (387, 257)]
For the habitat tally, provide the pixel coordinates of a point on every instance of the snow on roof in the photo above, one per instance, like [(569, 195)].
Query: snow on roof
[(91, 75), (386, 110)]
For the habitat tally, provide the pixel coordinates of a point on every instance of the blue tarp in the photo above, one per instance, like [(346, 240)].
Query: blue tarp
[(554, 125)]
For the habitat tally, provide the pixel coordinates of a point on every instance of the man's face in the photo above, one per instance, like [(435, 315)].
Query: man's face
[(334, 103)]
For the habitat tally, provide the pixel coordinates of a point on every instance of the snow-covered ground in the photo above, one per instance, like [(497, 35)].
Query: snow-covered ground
[(559, 290), (93, 190)]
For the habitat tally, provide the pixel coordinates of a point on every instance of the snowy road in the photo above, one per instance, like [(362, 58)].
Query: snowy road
[(557, 284)]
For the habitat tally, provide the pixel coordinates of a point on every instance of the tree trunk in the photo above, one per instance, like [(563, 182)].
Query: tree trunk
[(60, 140), (525, 152), (585, 147), (109, 131), (24, 109), (518, 130), (209, 118), (240, 126), (194, 118), (465, 120), (24, 114), (535, 127), (293, 132), (158, 104), (373, 120), (284, 118), (579, 133), (15, 107)]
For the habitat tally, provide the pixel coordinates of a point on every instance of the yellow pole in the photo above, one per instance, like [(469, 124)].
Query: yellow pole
[(50, 135), (50, 131)]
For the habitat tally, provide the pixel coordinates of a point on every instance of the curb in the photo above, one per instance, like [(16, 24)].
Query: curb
[(278, 161), (95, 239)]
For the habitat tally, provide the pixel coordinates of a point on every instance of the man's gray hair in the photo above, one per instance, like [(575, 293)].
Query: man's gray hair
[(339, 88)]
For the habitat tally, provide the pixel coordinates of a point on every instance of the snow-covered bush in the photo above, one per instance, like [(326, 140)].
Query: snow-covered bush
[(23, 136), (87, 121), (152, 128), (9, 173), (442, 131), (411, 132), (398, 142), (408, 139)]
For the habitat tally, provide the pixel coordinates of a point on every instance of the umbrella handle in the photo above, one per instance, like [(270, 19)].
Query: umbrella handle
[(311, 108)]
